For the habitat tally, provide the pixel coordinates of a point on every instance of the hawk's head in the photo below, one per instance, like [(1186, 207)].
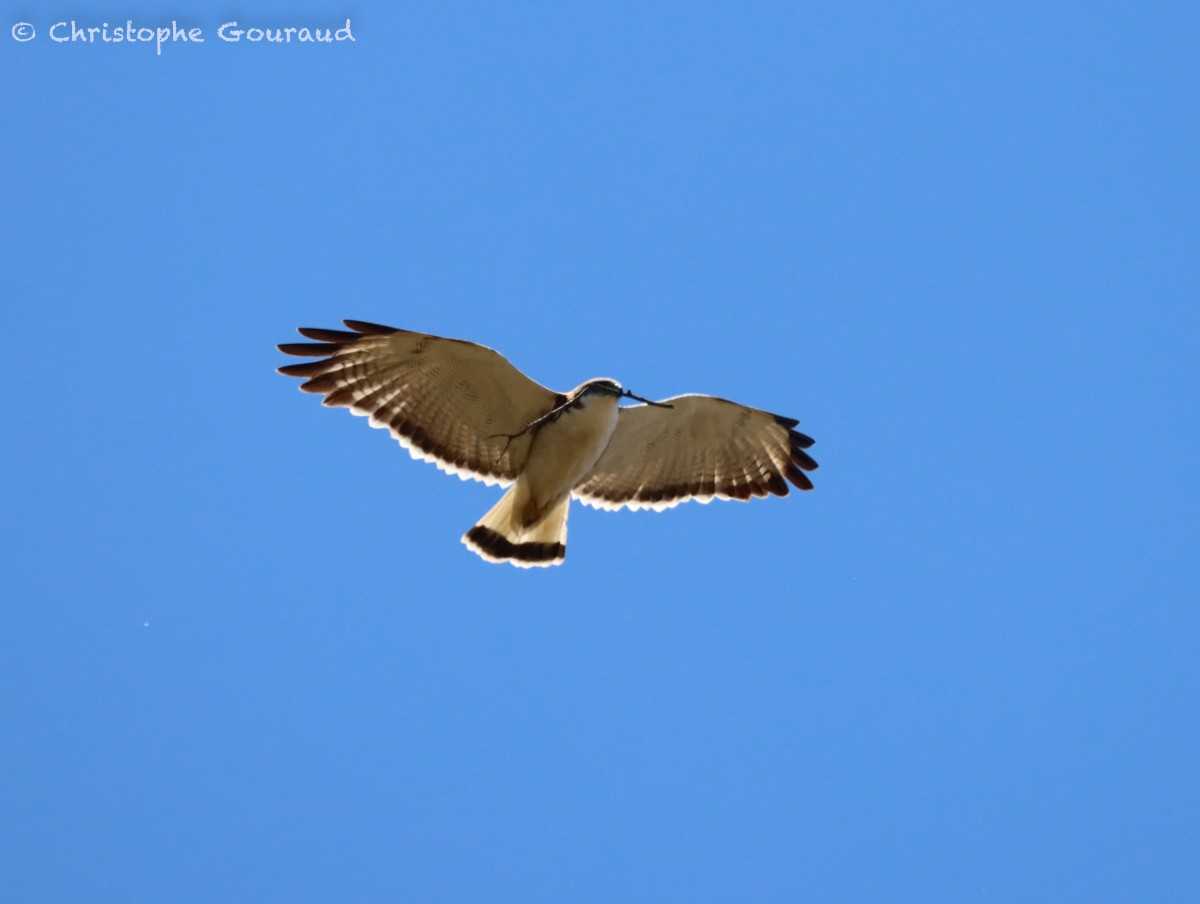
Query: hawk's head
[(602, 386), (605, 386)]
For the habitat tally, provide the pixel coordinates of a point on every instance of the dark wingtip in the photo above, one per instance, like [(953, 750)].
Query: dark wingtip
[(777, 485), (307, 369), (800, 440), (800, 461), (370, 329), (797, 477), (309, 349), (339, 337), (788, 422), (804, 460)]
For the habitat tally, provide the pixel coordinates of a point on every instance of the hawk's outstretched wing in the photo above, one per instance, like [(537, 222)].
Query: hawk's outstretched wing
[(702, 447), (445, 400)]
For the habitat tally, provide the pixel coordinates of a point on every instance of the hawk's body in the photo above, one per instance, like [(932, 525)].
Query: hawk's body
[(464, 407), (529, 523)]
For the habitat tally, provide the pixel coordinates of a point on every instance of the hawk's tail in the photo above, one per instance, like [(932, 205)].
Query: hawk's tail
[(500, 537)]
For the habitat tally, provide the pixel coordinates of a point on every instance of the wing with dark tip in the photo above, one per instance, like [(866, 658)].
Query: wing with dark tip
[(445, 400), (701, 448)]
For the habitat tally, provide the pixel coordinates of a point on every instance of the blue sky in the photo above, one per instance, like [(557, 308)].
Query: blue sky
[(245, 656)]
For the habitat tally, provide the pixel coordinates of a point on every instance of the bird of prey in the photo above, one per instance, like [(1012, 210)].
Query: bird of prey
[(465, 408)]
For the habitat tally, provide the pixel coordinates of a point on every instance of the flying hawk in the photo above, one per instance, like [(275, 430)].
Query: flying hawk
[(465, 408)]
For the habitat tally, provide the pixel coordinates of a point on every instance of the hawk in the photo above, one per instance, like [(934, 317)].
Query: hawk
[(465, 408)]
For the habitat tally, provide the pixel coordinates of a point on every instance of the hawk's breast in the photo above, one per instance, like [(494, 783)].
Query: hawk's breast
[(564, 450)]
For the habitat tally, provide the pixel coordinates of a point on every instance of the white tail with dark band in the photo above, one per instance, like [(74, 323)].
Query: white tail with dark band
[(500, 535)]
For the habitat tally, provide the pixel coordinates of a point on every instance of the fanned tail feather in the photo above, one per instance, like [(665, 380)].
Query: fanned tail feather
[(499, 535)]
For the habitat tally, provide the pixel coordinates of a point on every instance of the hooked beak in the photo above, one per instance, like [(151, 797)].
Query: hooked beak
[(626, 392)]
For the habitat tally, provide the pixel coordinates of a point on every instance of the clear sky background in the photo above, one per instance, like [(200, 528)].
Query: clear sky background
[(245, 657)]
